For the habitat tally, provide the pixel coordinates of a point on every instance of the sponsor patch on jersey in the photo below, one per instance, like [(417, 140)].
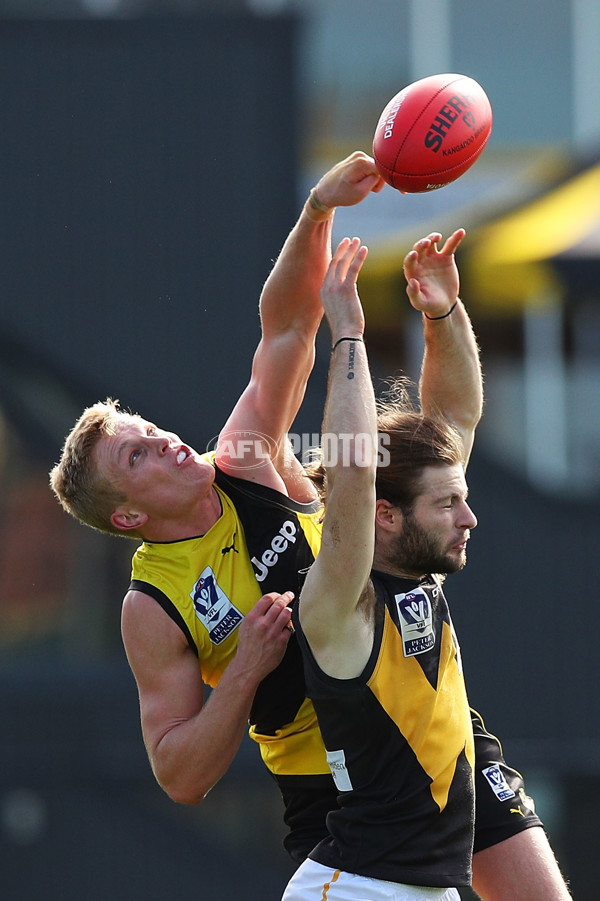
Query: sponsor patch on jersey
[(284, 538), (339, 770), (416, 622), (213, 608), (498, 783)]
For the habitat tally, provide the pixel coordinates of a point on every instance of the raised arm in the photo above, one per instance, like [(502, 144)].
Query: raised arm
[(331, 608), (451, 381), (291, 311)]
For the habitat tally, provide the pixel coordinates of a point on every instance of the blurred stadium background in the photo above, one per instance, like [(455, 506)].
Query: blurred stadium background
[(153, 156)]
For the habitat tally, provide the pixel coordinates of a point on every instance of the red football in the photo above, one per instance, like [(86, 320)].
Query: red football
[(431, 132)]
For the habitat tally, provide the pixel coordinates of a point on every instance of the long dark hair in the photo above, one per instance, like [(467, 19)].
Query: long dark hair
[(409, 441)]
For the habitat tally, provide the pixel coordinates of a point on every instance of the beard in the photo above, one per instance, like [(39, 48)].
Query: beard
[(418, 551)]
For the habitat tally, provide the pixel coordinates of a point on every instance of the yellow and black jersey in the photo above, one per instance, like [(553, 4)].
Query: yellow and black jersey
[(399, 742), (262, 542)]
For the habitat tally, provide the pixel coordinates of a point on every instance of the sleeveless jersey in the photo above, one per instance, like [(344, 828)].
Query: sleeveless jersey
[(399, 741), (263, 541)]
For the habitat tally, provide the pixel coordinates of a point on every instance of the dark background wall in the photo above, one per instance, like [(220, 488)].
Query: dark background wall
[(526, 611), (148, 180)]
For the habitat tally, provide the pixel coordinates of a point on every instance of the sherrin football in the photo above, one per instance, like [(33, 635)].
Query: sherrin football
[(431, 132)]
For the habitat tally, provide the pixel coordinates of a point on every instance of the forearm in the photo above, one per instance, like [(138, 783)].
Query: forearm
[(290, 298), (290, 301), (336, 583), (451, 382), (350, 420), (291, 313), (451, 379), (193, 755)]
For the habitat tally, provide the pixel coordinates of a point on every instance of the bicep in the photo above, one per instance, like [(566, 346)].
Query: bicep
[(165, 668), (255, 448), (247, 447), (272, 398)]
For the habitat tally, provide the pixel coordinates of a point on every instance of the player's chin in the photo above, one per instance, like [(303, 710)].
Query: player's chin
[(456, 560)]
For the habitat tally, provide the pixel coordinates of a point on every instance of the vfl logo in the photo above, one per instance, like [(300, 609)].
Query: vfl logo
[(416, 622), (213, 608), (279, 544), (498, 783)]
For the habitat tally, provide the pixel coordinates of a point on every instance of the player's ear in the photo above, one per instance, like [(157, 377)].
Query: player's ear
[(387, 516), (126, 520)]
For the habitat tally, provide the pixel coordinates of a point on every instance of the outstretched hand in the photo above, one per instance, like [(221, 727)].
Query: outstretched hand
[(349, 181), (339, 292), (432, 280)]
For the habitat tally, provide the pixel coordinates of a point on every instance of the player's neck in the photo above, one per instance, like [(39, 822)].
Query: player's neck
[(189, 523)]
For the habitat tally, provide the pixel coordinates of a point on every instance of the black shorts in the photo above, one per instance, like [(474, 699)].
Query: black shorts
[(502, 807)]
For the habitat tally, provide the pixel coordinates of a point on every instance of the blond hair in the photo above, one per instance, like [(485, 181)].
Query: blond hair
[(80, 488)]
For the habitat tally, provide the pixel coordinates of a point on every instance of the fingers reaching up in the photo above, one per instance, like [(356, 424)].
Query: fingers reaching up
[(339, 292), (432, 280)]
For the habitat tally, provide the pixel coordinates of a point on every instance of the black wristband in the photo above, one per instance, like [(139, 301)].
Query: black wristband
[(435, 318), (339, 341)]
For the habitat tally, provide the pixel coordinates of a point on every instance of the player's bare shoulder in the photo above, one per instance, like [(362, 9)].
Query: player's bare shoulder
[(148, 632)]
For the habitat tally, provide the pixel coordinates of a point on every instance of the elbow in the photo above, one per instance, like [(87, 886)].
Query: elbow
[(179, 786), (189, 799), (477, 411), (190, 796), (464, 421), (470, 423)]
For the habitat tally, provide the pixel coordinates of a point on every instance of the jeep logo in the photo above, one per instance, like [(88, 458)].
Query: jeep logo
[(279, 544)]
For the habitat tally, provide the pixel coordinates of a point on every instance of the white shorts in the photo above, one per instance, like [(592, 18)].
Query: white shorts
[(314, 882)]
